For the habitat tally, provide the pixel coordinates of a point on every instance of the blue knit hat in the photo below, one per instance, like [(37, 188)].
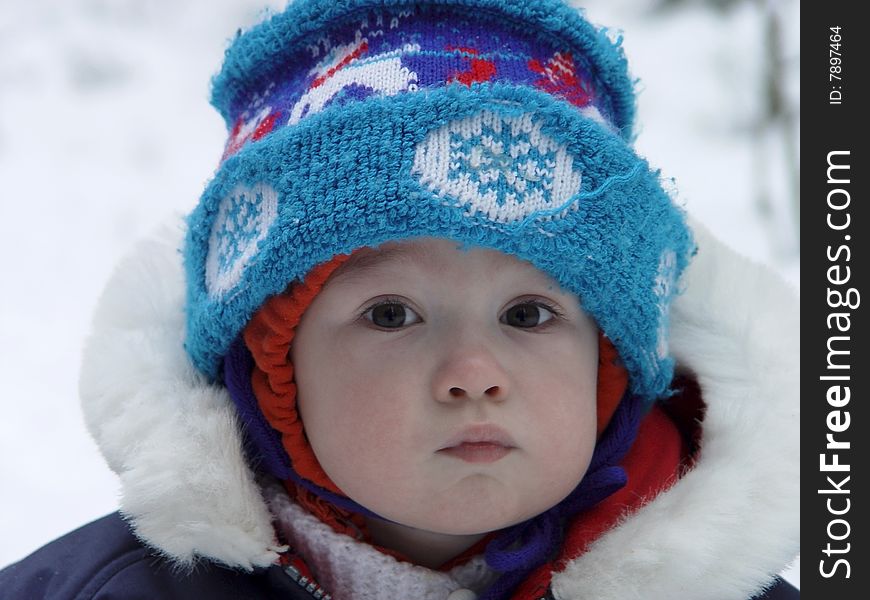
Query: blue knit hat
[(494, 123)]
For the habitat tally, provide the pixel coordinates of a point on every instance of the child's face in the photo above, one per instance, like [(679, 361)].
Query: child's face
[(460, 404)]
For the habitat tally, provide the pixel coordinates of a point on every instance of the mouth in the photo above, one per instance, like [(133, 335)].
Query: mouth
[(479, 444)]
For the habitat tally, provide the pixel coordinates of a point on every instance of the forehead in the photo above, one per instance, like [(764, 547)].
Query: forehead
[(432, 255)]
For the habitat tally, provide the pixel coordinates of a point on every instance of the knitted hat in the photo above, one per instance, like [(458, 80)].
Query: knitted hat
[(497, 124)]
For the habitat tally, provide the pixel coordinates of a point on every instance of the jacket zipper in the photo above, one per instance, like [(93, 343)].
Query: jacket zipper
[(307, 583)]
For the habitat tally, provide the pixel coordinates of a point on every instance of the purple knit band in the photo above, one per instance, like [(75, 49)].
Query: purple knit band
[(386, 52)]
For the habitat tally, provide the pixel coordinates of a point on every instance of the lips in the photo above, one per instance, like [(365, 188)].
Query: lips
[(483, 443)]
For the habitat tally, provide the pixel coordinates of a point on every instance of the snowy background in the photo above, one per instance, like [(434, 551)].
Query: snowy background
[(106, 131)]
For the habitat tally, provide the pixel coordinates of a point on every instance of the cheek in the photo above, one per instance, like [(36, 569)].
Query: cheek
[(355, 416), (346, 384), (564, 410), (560, 448), (566, 428)]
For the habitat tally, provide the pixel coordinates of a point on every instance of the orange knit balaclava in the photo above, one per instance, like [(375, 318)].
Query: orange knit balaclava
[(268, 337)]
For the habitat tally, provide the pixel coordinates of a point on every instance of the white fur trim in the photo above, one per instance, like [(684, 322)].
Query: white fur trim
[(170, 436), (721, 532), (731, 523)]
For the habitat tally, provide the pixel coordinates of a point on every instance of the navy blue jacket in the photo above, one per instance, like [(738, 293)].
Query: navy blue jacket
[(105, 561)]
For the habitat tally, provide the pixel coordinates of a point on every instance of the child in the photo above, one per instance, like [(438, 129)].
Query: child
[(421, 346)]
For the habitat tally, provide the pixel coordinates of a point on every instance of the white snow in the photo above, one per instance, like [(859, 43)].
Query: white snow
[(105, 131)]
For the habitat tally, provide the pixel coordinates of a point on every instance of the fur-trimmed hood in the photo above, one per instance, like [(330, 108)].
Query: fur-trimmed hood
[(721, 532)]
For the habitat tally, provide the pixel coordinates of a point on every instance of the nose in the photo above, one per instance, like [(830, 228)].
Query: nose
[(471, 373)]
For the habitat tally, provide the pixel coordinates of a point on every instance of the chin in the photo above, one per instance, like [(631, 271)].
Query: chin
[(472, 522)]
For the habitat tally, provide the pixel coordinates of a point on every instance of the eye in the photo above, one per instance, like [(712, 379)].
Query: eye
[(395, 314), (528, 315), (391, 314)]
